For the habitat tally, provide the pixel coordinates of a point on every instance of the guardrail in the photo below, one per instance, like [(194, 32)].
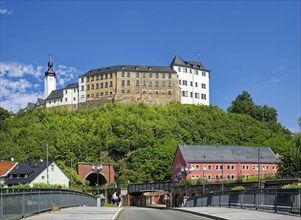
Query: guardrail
[(276, 200), (17, 203)]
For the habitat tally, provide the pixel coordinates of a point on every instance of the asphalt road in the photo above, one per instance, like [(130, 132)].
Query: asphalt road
[(135, 213)]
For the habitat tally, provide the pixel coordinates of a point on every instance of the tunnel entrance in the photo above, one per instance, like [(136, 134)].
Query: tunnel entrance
[(92, 178)]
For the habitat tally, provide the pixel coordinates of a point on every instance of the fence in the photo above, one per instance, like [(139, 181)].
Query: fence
[(16, 203), (276, 200)]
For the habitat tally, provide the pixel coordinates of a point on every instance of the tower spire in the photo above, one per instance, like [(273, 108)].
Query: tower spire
[(50, 64)]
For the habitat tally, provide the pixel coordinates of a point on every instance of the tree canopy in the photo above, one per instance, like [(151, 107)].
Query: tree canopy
[(243, 104), (140, 140)]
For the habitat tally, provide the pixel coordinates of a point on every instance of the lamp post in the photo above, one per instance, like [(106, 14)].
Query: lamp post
[(222, 174), (185, 170), (98, 169)]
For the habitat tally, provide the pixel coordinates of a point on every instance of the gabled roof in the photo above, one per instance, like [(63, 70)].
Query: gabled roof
[(30, 168), (56, 94), (130, 68), (40, 102), (204, 153), (178, 61)]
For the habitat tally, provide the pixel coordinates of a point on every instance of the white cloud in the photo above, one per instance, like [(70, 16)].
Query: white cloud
[(22, 83), (4, 11), (15, 69)]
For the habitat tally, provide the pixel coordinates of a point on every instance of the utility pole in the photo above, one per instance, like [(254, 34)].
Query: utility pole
[(47, 163), (71, 174)]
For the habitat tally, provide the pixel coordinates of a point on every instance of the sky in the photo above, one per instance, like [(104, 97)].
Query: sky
[(251, 46)]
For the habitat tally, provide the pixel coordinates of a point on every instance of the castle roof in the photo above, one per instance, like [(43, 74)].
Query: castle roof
[(178, 61), (129, 68)]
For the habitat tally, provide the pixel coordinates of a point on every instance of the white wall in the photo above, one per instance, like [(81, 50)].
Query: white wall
[(192, 76), (49, 85), (82, 92)]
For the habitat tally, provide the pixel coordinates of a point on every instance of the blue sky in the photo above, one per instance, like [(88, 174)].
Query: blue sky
[(249, 46)]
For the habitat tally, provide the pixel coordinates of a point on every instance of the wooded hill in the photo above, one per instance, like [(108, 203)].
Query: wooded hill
[(140, 140)]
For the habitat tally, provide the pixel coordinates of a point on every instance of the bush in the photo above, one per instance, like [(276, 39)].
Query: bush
[(238, 188), (291, 186)]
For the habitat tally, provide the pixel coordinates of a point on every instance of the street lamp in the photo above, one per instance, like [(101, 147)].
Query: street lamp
[(98, 169), (185, 170), (222, 174)]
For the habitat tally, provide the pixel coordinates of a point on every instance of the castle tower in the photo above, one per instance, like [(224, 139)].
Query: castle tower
[(49, 79)]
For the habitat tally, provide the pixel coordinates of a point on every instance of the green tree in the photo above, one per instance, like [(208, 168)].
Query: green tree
[(243, 104), (4, 114)]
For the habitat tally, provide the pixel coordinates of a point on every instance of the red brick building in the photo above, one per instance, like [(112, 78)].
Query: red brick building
[(213, 163), (106, 174)]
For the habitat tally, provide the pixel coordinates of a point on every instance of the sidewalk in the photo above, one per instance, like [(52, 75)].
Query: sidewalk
[(223, 213)]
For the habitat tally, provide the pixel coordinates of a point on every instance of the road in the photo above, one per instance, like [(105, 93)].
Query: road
[(135, 213)]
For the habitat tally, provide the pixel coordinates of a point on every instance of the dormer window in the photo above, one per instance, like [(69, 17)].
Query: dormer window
[(122, 67), (149, 68), (136, 68)]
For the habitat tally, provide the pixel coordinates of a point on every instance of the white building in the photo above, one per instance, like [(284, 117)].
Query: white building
[(31, 172), (67, 97), (193, 81)]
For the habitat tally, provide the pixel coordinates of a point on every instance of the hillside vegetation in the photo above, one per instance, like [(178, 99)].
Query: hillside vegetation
[(140, 140)]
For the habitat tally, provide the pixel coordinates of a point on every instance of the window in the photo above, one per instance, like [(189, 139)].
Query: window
[(97, 86), (150, 91), (169, 92), (179, 69), (191, 83), (184, 69), (137, 82), (82, 79), (143, 91), (220, 167), (143, 75), (196, 72), (92, 78), (190, 71), (74, 99), (184, 93), (42, 177), (110, 75), (203, 86), (111, 84), (184, 82), (169, 75), (122, 91), (92, 86), (157, 75), (197, 95), (88, 79), (101, 85), (191, 94), (228, 177), (209, 177), (128, 83), (128, 91), (144, 83), (106, 76), (52, 167), (203, 96), (157, 91), (163, 75), (49, 102), (216, 167), (66, 91), (232, 167), (179, 82), (106, 84), (203, 73), (169, 83), (163, 83), (122, 82), (232, 177), (196, 84), (66, 99), (129, 74), (101, 77), (137, 74), (209, 167), (54, 101), (157, 83), (122, 74), (150, 75), (205, 167), (217, 177), (97, 77), (228, 167), (150, 83)]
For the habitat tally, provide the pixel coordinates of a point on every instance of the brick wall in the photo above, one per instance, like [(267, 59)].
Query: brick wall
[(85, 169)]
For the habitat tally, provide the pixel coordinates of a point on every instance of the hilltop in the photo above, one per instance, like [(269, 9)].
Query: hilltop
[(140, 140)]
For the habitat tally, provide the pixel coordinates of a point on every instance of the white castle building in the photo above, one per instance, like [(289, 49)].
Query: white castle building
[(193, 83)]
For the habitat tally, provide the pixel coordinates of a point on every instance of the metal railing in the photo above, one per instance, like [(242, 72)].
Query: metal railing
[(276, 200), (149, 187), (16, 203)]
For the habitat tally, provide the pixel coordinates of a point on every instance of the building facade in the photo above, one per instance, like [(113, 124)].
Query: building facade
[(214, 163), (182, 81), (36, 172), (193, 81)]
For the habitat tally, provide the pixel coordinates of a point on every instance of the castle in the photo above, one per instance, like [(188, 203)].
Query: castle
[(186, 82)]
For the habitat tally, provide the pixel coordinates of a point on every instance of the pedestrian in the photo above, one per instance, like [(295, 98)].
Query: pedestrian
[(120, 200), (114, 198)]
